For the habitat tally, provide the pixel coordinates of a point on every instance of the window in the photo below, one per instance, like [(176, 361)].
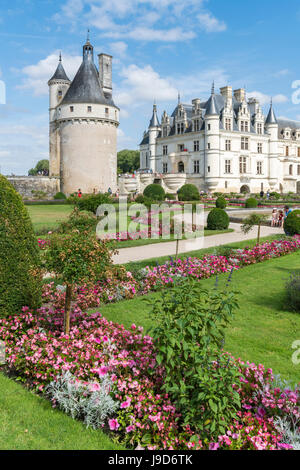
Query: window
[(244, 126), (165, 131), (228, 145), (196, 125), (228, 124), (227, 166), (208, 169), (165, 168), (89, 109), (259, 128), (59, 94), (298, 170), (180, 147), (180, 167), (208, 146), (165, 150), (208, 127), (245, 143), (243, 165), (180, 128), (287, 151), (290, 170), (298, 151), (196, 166), (72, 109), (147, 160), (259, 148), (196, 146), (259, 169), (106, 111)]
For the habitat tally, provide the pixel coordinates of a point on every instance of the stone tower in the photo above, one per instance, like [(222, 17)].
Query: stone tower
[(83, 126)]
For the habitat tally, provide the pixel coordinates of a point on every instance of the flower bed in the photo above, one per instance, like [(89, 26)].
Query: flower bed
[(38, 352)]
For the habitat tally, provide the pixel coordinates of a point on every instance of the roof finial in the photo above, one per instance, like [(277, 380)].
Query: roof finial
[(179, 97), (271, 103), (213, 88), (88, 36), (60, 56)]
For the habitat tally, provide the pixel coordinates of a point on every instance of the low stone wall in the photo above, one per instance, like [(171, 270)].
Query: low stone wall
[(26, 184)]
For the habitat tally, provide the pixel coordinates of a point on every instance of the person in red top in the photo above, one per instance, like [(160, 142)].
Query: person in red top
[(79, 194)]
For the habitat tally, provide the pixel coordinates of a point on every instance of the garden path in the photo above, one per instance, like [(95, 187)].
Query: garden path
[(157, 250)]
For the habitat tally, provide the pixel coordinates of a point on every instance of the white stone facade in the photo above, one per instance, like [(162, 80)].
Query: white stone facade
[(224, 144), (83, 127)]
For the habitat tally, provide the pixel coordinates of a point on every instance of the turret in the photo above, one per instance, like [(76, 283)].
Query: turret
[(212, 141), (58, 86), (154, 129), (272, 129)]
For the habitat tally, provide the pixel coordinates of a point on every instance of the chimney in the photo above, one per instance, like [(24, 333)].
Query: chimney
[(105, 73), (240, 94), (226, 92)]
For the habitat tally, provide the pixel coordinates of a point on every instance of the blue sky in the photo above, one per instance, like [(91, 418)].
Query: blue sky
[(160, 47)]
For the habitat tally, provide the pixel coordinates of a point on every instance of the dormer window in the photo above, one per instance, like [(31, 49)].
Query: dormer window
[(228, 124), (196, 125), (259, 128)]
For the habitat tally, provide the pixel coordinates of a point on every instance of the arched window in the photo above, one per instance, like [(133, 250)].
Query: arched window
[(180, 167), (291, 170)]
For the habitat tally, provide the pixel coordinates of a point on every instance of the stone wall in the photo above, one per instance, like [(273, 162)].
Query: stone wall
[(26, 184)]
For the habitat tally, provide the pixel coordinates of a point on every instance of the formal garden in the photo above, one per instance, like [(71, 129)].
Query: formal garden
[(191, 352)]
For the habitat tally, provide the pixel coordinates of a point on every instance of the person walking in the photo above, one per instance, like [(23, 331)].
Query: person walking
[(79, 194)]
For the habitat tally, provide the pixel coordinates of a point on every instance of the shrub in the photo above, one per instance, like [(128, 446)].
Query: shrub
[(170, 197), (20, 276), (293, 292), (91, 202), (188, 338), (251, 203), (292, 223), (217, 220), (221, 202), (60, 195), (79, 221), (155, 192), (188, 192), (140, 199)]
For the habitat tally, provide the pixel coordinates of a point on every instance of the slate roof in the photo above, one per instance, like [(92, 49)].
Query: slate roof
[(60, 73)]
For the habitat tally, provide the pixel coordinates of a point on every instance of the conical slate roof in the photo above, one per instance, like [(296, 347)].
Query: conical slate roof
[(271, 119), (60, 73), (154, 120), (85, 87), (211, 105)]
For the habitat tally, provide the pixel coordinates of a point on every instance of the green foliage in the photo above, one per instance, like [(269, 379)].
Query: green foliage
[(20, 274), (221, 202), (217, 220), (90, 202), (154, 192), (252, 221), (41, 168), (292, 223), (79, 221), (60, 195), (170, 197), (128, 161), (39, 194), (293, 292), (188, 192), (251, 203), (140, 199), (275, 196), (189, 336)]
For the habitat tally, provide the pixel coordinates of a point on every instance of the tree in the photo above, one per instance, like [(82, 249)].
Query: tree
[(128, 161), (77, 258), (41, 168), (20, 266), (251, 221)]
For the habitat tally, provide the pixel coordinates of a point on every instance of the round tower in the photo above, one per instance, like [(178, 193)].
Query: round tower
[(272, 129), (87, 120), (154, 129), (58, 86), (212, 143)]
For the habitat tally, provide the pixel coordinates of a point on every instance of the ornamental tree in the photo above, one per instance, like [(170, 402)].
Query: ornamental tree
[(77, 258), (251, 221)]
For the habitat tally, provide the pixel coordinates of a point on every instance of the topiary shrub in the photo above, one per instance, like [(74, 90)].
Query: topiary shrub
[(251, 203), (293, 292), (292, 223), (60, 195), (20, 274), (217, 220), (155, 192), (91, 202), (188, 192), (221, 202), (170, 197)]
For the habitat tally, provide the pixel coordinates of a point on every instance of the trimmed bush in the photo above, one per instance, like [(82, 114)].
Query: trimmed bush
[(170, 197), (20, 275), (221, 202), (91, 202), (251, 203), (154, 192), (217, 220), (293, 291), (292, 223), (60, 195), (188, 192)]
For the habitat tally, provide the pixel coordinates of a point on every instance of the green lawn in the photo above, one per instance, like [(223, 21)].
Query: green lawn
[(28, 422), (48, 217), (263, 329)]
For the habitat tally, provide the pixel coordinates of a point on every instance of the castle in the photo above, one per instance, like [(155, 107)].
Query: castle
[(224, 144), (83, 126)]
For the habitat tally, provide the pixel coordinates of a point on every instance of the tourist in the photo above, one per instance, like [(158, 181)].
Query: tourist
[(261, 194), (268, 194), (109, 191), (287, 211), (79, 194), (275, 216), (280, 218)]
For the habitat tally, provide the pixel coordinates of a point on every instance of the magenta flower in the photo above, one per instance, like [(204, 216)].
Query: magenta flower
[(113, 424), (214, 446)]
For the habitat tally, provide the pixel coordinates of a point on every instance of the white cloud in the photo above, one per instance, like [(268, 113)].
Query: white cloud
[(266, 99), (210, 24), (149, 34), (37, 75), (281, 73), (119, 48)]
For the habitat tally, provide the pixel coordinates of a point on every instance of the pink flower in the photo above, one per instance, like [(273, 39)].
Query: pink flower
[(113, 424), (133, 326), (213, 446), (130, 428), (125, 404), (105, 339), (102, 371), (94, 387)]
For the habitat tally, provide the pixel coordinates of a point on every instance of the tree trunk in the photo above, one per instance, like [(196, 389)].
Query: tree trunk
[(177, 248), (258, 234), (67, 309)]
